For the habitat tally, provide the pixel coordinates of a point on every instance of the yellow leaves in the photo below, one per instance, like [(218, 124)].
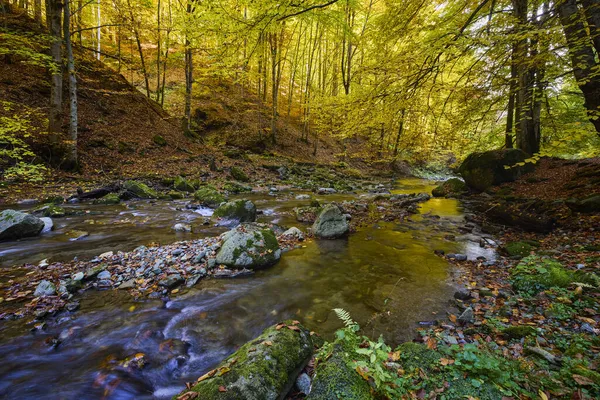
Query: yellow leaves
[(395, 356), (207, 375), (542, 395), (446, 361)]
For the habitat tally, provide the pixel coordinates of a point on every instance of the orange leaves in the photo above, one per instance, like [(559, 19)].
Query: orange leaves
[(446, 361)]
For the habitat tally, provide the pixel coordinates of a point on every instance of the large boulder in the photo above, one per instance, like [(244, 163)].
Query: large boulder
[(588, 205), (264, 368), (237, 210), (249, 245), (239, 175), (330, 223), (452, 187), (16, 225), (483, 170), (183, 185), (135, 189), (209, 196)]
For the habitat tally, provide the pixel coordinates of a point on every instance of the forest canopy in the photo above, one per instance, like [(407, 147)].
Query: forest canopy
[(416, 79)]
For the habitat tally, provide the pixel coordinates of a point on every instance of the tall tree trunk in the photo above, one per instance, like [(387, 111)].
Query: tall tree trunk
[(98, 30), (71, 157), (582, 56), (591, 10), (37, 10), (56, 89), (400, 131), (158, 50), (508, 137), (136, 34), (525, 135)]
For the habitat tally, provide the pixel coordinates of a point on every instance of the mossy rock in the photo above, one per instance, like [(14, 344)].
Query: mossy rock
[(238, 174), (336, 377), (264, 368), (111, 198), (237, 210), (16, 225), (175, 195), (249, 245), (183, 185), (135, 189), (519, 331), (452, 187), (534, 275), (588, 205), (159, 140), (209, 196), (234, 187), (520, 248), (54, 200), (54, 211), (483, 170)]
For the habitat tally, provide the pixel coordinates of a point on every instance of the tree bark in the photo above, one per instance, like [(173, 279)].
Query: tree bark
[(56, 89), (581, 53), (71, 157)]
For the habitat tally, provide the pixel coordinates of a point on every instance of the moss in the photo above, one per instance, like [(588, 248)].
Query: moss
[(520, 249), (336, 377), (159, 140), (239, 175), (111, 198), (139, 190), (209, 196), (183, 185), (414, 355), (451, 187), (534, 275), (234, 187), (54, 211), (264, 368), (240, 210), (54, 200), (175, 195), (519, 331)]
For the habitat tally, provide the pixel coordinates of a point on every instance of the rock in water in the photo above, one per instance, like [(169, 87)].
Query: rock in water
[(45, 288), (182, 228), (483, 170), (330, 223), (237, 211), (138, 190), (16, 225), (209, 196), (452, 187), (183, 185), (264, 368), (293, 233), (249, 245)]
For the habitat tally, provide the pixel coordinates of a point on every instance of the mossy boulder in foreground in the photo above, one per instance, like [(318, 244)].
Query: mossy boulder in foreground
[(237, 210), (209, 196), (264, 368), (135, 189), (16, 225), (336, 377), (249, 245), (452, 187), (483, 170)]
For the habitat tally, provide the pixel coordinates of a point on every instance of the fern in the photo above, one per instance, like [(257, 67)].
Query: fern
[(346, 319)]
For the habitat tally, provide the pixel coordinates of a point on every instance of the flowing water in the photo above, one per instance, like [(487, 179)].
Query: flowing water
[(385, 275)]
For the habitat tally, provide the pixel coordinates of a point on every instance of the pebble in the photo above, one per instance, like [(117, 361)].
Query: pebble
[(303, 383), (78, 276)]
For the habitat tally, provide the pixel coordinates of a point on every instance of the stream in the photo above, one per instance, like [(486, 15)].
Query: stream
[(386, 266)]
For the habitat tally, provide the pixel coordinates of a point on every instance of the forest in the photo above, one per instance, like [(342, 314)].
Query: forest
[(320, 199)]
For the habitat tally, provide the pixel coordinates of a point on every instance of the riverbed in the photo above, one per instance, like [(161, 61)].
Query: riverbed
[(386, 276)]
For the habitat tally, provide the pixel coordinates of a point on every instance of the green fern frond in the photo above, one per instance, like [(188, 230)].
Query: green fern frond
[(346, 318)]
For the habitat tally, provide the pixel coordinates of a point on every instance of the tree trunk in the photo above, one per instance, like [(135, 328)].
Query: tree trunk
[(158, 50), (136, 34), (98, 31), (71, 156), (37, 11), (55, 115), (508, 137), (582, 56), (525, 134)]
